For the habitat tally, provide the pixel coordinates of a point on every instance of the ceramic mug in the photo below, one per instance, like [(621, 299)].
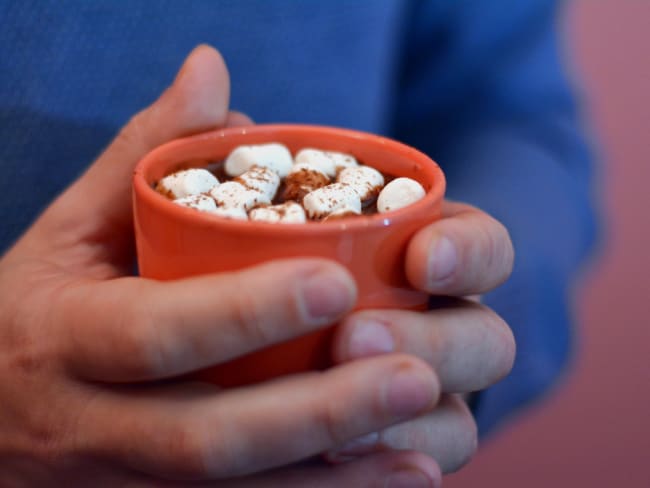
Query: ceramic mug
[(176, 242)]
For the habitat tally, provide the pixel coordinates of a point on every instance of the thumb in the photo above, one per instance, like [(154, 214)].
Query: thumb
[(100, 199)]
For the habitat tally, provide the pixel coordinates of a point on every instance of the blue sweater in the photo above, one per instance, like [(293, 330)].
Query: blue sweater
[(478, 85)]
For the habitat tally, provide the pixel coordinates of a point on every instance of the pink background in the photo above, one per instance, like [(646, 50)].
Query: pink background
[(594, 431)]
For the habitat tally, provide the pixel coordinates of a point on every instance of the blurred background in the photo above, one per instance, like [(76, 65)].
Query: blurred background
[(594, 430)]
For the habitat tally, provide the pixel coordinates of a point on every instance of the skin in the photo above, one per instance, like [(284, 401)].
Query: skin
[(87, 373)]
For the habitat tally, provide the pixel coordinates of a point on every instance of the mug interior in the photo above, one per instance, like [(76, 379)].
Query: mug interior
[(388, 156)]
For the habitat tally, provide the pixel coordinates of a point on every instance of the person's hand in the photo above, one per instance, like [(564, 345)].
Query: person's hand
[(90, 357), (466, 253)]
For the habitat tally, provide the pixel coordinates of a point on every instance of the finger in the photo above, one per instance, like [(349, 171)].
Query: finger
[(468, 345), (466, 252), (181, 434), (448, 434), (238, 119), (133, 329), (386, 469), (196, 101)]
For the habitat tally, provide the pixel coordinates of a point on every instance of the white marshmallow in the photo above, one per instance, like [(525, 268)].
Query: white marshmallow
[(399, 193), (261, 179), (199, 202), (187, 182), (286, 213), (340, 213), (235, 213), (323, 201), (305, 166), (316, 160), (365, 180), (327, 162), (273, 156), (207, 204), (235, 195), (301, 180)]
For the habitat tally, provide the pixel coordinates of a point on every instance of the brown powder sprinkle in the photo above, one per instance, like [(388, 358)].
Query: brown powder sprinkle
[(298, 184), (292, 188)]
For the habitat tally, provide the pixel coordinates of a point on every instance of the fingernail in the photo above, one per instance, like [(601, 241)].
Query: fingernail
[(369, 337), (356, 447), (410, 478), (409, 392), (442, 260), (326, 295)]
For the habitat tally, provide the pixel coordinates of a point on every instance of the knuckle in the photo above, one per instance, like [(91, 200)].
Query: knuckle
[(507, 255), (496, 253), (263, 316), (249, 318), (46, 443), (135, 360), (503, 346), (133, 134), (221, 451), (501, 251), (330, 423), (184, 451), (50, 434), (142, 352), (465, 442), (490, 240)]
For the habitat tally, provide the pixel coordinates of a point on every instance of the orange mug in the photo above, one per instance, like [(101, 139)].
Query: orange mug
[(176, 242)]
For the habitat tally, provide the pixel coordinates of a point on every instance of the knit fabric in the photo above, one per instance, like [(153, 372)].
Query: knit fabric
[(480, 88)]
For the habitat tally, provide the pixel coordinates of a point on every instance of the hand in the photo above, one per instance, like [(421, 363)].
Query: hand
[(468, 346), (90, 357)]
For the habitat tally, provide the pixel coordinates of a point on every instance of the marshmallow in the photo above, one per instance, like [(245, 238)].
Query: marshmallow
[(301, 180), (207, 204), (301, 167), (273, 156), (327, 162), (365, 180), (286, 213), (187, 182), (341, 213), (399, 193), (235, 195), (199, 202), (262, 180), (235, 213), (322, 202), (315, 160)]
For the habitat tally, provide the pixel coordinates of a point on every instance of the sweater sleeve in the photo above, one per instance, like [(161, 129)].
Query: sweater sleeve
[(484, 92)]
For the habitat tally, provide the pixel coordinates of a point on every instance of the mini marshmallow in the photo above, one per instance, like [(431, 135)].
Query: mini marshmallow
[(327, 162), (303, 179), (341, 213), (273, 156), (235, 195), (300, 167), (235, 213), (261, 179), (199, 202), (286, 213), (315, 160), (187, 182), (399, 193), (322, 202), (365, 180)]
